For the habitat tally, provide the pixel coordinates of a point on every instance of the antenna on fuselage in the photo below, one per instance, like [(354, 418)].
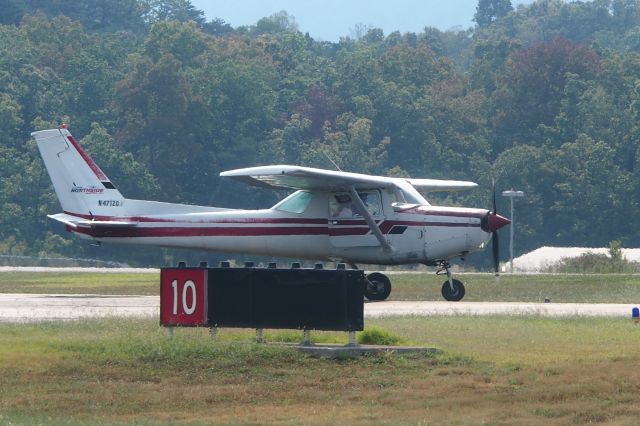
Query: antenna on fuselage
[(332, 162)]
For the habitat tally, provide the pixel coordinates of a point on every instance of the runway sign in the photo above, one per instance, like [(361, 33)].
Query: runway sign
[(311, 299), (183, 297)]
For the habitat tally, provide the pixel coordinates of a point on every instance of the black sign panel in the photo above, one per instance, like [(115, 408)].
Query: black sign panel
[(286, 298)]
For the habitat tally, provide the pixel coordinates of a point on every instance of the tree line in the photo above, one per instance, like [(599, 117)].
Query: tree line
[(543, 98)]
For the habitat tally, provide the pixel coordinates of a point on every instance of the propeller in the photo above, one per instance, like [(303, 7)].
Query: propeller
[(490, 224), (494, 237)]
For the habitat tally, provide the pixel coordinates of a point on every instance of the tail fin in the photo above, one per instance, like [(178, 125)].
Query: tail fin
[(82, 188)]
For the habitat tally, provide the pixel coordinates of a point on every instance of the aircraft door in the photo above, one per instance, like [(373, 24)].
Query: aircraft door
[(348, 228)]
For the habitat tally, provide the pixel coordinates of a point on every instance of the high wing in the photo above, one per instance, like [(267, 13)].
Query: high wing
[(435, 185), (297, 177)]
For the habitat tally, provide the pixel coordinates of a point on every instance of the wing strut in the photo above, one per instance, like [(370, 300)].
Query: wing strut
[(355, 197)]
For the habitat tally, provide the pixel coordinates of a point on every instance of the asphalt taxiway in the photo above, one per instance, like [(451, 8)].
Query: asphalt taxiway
[(51, 307)]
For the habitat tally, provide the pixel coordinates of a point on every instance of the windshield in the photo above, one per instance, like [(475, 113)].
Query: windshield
[(409, 193), (295, 203)]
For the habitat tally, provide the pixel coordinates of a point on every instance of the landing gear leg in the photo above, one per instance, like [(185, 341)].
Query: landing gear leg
[(452, 289)]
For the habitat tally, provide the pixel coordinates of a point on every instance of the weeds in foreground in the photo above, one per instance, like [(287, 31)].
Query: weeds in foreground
[(130, 371), (378, 336)]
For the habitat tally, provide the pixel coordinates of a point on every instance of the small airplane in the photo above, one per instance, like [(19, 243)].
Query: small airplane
[(331, 216)]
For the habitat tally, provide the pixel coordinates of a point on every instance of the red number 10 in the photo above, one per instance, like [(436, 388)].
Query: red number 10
[(183, 297)]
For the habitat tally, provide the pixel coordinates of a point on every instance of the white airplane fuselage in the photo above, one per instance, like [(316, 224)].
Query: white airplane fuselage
[(417, 233)]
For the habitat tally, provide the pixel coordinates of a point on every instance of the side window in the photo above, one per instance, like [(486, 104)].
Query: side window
[(372, 202), (341, 205)]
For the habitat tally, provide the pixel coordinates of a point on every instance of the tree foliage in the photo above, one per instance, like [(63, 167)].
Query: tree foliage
[(544, 98), (489, 11)]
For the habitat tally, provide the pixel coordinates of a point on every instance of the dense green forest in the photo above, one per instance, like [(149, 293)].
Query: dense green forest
[(544, 98)]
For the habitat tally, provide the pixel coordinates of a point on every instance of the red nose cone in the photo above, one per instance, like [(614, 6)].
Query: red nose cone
[(495, 222)]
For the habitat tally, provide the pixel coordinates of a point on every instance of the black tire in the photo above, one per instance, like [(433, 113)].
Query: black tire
[(377, 287), (458, 291)]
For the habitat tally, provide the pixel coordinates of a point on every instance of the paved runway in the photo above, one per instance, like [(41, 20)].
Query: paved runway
[(47, 307)]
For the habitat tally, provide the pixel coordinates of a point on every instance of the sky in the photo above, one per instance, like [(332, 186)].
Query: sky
[(331, 19)]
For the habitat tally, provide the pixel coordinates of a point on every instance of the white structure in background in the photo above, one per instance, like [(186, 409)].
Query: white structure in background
[(541, 259)]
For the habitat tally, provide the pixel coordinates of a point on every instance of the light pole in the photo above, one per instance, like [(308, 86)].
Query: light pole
[(512, 194)]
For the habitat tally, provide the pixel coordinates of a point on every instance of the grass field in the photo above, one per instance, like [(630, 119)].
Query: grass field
[(574, 288), (80, 282), (492, 370), (612, 288)]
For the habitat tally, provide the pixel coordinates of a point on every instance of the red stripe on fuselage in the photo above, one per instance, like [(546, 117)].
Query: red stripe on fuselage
[(344, 228), (244, 231), (147, 219), (340, 232), (385, 226)]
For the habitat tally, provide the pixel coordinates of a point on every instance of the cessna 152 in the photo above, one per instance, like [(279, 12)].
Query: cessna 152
[(331, 216)]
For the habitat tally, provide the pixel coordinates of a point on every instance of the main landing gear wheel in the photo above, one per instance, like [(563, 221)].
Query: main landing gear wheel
[(378, 286), (453, 295)]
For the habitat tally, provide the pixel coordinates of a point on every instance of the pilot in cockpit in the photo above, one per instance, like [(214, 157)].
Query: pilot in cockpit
[(342, 207)]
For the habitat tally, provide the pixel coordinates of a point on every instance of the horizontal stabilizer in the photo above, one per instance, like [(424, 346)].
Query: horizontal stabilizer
[(75, 222), (65, 219)]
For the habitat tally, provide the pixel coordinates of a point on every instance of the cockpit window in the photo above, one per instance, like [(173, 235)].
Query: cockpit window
[(295, 203), (341, 205)]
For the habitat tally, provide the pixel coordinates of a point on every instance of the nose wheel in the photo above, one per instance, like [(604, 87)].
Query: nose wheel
[(377, 287), (452, 289)]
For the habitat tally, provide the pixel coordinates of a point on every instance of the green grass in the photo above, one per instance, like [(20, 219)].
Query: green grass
[(80, 282), (379, 336), (574, 288), (530, 340), (495, 370), (605, 288)]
